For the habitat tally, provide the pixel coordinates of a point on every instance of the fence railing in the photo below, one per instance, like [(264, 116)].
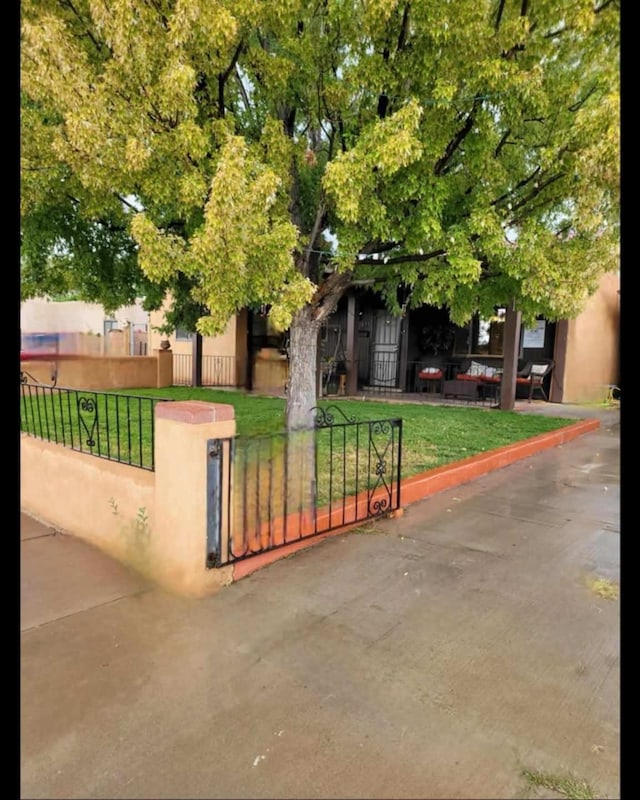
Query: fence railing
[(426, 377), (216, 370), (181, 370), (290, 486), (116, 427)]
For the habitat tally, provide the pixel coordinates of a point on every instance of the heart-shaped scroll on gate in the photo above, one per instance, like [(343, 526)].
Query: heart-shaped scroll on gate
[(88, 418)]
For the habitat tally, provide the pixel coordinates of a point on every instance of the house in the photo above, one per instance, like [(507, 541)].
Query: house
[(84, 328), (388, 352)]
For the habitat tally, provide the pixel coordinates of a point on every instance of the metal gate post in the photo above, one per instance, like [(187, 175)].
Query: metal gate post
[(214, 501)]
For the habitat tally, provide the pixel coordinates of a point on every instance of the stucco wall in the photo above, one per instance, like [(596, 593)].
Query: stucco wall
[(154, 521), (49, 316), (109, 504), (593, 346), (222, 345), (270, 370), (119, 372)]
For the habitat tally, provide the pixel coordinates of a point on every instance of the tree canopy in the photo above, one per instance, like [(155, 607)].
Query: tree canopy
[(272, 153)]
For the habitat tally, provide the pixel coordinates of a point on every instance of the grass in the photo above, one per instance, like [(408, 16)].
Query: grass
[(565, 785), (115, 426), (604, 588), (432, 435)]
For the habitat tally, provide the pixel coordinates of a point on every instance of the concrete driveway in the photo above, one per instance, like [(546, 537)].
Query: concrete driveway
[(449, 653)]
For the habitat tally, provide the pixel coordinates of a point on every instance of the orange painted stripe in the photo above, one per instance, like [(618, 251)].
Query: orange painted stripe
[(415, 488)]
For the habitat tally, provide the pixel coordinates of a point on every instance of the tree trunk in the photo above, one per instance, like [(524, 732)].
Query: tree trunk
[(302, 384)]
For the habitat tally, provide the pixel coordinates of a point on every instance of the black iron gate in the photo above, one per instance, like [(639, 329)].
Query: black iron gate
[(270, 491)]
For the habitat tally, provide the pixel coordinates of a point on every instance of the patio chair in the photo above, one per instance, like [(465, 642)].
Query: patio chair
[(430, 378), (532, 376), (473, 381)]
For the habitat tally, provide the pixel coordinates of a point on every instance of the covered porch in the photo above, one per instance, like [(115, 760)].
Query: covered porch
[(367, 352)]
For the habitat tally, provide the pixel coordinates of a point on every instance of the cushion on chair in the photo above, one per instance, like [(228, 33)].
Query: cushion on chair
[(476, 369), (430, 373), (539, 369)]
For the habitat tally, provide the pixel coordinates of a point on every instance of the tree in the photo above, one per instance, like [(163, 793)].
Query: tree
[(272, 153)]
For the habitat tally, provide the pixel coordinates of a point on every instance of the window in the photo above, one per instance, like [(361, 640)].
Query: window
[(534, 337), (183, 336), (110, 324), (481, 337)]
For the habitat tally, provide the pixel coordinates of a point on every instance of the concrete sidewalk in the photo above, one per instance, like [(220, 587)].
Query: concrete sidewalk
[(437, 655)]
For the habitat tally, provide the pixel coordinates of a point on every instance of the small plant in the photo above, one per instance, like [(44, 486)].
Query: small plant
[(114, 506), (566, 785), (142, 520), (138, 534), (605, 588)]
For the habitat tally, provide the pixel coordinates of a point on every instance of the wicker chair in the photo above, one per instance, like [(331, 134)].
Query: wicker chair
[(532, 376)]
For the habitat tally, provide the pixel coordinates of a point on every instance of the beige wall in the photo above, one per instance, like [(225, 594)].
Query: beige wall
[(39, 315), (154, 521), (222, 345), (108, 372), (230, 344), (270, 370), (593, 346), (99, 500)]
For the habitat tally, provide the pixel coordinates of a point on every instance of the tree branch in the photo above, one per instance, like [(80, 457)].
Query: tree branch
[(499, 13), (127, 203), (404, 28), (163, 18), (415, 258), (98, 45), (315, 230), (457, 139), (579, 103), (329, 293), (501, 143), (223, 77), (518, 185), (378, 247), (537, 190)]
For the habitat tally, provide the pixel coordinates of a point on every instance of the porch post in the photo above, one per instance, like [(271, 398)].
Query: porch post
[(351, 387), (511, 349), (248, 374), (196, 360), (404, 351)]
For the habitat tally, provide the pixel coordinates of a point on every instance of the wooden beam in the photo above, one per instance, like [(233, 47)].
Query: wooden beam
[(196, 360), (511, 349), (556, 394), (404, 352), (351, 355)]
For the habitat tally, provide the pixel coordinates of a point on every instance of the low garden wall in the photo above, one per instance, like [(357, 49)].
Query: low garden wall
[(155, 521), (103, 372)]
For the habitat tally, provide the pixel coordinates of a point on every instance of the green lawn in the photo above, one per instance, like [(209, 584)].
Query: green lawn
[(432, 435), (272, 472), (113, 425)]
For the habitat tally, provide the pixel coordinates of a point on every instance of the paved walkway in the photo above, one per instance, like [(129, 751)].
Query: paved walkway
[(438, 655)]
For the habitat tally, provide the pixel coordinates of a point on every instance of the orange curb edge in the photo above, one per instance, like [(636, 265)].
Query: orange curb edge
[(418, 487)]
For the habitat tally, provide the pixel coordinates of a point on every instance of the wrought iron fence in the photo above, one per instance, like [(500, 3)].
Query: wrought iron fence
[(216, 370), (294, 485), (117, 427), (182, 373)]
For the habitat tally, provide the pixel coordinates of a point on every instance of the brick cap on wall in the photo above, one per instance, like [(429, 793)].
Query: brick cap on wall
[(195, 412)]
